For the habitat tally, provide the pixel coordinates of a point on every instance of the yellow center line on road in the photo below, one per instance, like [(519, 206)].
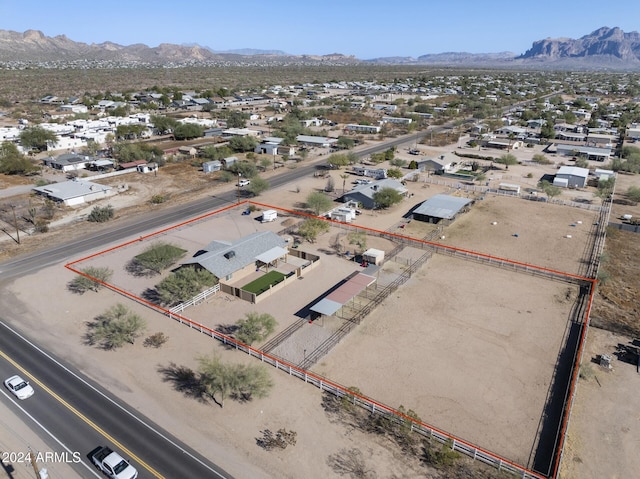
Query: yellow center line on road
[(82, 416)]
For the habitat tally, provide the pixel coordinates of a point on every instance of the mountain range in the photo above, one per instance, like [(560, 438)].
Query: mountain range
[(604, 49)]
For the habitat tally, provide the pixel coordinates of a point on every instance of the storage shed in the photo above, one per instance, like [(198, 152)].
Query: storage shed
[(373, 256), (211, 166)]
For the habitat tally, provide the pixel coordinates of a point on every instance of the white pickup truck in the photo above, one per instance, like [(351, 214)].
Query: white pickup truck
[(112, 463)]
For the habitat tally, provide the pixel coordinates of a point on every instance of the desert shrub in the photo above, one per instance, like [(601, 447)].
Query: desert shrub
[(155, 259), (280, 440), (115, 327), (158, 199), (100, 214), (155, 340), (93, 281), (255, 327)]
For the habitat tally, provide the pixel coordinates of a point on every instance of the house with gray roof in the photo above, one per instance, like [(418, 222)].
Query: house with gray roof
[(228, 260), (363, 194), (68, 162), (441, 207), (75, 192)]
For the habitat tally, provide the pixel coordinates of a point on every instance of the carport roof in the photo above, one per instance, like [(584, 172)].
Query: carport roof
[(343, 294), (271, 255)]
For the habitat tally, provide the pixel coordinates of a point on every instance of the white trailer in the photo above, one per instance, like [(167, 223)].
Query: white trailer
[(269, 215)]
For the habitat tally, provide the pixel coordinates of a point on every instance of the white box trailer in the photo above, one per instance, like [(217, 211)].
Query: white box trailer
[(269, 215), (510, 187)]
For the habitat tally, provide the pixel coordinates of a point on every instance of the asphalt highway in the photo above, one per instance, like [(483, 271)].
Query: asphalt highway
[(82, 415)]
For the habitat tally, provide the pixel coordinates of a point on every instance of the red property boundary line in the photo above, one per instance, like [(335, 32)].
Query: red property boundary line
[(423, 428)]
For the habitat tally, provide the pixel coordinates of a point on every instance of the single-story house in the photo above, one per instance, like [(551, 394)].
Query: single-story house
[(228, 260), (589, 152), (373, 129), (273, 146), (321, 141), (571, 177), (633, 133), (240, 132), (101, 164), (188, 151), (75, 192), (441, 207), (363, 194), (68, 162), (437, 165), (131, 164)]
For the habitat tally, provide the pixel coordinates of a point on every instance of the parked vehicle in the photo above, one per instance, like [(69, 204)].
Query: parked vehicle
[(19, 387), (242, 183), (269, 215), (112, 463)]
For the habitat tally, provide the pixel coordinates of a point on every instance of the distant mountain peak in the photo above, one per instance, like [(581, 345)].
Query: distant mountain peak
[(604, 45)]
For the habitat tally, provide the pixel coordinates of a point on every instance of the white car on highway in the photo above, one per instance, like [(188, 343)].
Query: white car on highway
[(19, 387)]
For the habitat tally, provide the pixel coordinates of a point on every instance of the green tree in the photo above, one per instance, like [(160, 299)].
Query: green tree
[(318, 202), (547, 131), (244, 168), (311, 228), (37, 138), (338, 159), (92, 280), (237, 119), (394, 173), (550, 190), (386, 197), (126, 152), (541, 159), (344, 177), (255, 327), (345, 143), (130, 132), (12, 162), (258, 185), (243, 143), (184, 284), (633, 193), (358, 238), (216, 152), (240, 381), (115, 327), (155, 259), (188, 131), (163, 124), (507, 160), (605, 187)]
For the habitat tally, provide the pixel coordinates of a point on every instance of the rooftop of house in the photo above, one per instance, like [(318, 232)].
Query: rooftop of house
[(223, 258)]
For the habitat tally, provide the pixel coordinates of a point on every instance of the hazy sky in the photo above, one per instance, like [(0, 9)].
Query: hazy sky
[(366, 29)]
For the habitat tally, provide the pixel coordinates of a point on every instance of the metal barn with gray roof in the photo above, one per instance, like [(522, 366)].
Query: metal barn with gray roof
[(441, 207)]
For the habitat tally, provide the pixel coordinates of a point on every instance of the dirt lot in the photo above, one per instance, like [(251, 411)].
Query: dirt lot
[(230, 434)]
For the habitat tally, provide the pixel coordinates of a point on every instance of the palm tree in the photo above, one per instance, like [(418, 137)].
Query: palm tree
[(344, 181)]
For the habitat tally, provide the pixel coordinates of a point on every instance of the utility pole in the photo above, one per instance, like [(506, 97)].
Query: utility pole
[(32, 458), (15, 222)]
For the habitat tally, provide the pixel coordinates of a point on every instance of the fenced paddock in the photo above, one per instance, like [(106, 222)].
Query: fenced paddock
[(516, 465)]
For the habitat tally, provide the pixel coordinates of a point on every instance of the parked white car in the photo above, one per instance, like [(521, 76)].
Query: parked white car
[(243, 183), (19, 387)]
